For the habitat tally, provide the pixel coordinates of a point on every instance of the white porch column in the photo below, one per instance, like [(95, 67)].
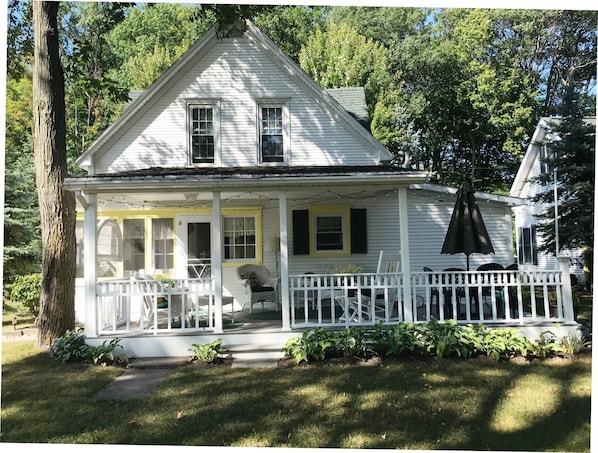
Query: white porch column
[(405, 260), (217, 260), (284, 261), (90, 220), (567, 292)]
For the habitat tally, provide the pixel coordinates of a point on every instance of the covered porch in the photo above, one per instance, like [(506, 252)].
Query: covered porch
[(193, 295), (509, 298)]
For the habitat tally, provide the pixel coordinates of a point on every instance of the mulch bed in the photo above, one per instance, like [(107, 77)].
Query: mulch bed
[(289, 362)]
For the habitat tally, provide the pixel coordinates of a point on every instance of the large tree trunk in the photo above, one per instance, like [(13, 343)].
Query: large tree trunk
[(57, 206)]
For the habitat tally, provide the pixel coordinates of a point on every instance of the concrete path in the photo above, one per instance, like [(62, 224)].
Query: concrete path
[(139, 378)]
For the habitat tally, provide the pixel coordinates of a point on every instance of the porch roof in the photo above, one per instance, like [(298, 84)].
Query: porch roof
[(218, 178)]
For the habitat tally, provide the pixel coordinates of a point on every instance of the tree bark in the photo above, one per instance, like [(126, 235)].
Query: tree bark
[(57, 206)]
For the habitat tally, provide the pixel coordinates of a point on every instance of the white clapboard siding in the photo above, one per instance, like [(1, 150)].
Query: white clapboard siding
[(428, 221), (238, 74)]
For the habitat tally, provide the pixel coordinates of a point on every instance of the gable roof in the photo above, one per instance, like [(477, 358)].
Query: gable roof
[(352, 99), (144, 100), (543, 129)]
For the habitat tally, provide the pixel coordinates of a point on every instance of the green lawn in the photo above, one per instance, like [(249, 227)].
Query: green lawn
[(414, 404)]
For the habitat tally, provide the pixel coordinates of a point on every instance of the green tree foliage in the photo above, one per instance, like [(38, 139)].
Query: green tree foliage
[(290, 26), (394, 127), (341, 57), (152, 37), (19, 38), (572, 155), (94, 97), (22, 242)]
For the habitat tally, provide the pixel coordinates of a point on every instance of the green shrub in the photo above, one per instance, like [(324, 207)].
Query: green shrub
[(434, 338), (401, 339), (353, 342), (71, 347), (545, 346), (208, 352), (314, 344), (26, 291), (573, 343)]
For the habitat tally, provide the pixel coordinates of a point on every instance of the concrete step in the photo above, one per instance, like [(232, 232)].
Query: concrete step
[(255, 358)]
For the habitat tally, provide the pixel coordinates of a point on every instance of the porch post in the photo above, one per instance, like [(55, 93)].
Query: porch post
[(89, 263), (284, 261), (217, 260), (567, 292), (405, 260)]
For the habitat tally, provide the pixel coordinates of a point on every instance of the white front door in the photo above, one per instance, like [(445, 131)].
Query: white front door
[(194, 243)]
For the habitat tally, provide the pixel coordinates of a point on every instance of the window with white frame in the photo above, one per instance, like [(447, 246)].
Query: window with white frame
[(163, 242), (133, 245), (109, 252), (273, 134), (527, 249), (203, 132), (240, 237)]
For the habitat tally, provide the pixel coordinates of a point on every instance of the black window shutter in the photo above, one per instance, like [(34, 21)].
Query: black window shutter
[(301, 232), (359, 236)]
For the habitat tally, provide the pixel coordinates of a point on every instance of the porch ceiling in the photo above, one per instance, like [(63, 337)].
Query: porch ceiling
[(197, 199)]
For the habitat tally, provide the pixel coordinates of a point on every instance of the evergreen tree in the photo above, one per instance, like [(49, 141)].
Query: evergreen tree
[(571, 160)]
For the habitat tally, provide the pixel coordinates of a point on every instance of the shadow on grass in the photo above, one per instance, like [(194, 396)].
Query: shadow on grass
[(412, 404)]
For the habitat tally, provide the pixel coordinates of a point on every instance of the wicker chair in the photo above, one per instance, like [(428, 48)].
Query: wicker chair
[(258, 284)]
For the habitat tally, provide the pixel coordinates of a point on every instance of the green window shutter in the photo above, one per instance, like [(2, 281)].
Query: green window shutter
[(301, 232), (359, 236)]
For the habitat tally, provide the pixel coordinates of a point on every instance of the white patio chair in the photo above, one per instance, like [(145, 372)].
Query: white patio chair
[(259, 285)]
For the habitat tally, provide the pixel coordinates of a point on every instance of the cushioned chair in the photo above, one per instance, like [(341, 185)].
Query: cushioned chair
[(258, 284)]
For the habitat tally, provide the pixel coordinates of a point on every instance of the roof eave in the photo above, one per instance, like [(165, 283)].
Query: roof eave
[(480, 196), (109, 184)]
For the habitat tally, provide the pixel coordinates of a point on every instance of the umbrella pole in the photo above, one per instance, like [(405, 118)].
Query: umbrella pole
[(467, 262)]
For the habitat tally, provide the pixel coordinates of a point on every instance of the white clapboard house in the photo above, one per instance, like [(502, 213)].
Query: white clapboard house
[(236, 199)]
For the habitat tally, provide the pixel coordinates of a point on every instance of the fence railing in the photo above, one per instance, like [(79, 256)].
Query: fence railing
[(466, 297), (337, 300), (152, 306)]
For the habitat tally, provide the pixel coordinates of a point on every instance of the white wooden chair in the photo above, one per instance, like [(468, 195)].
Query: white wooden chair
[(150, 306), (375, 301), (259, 285)]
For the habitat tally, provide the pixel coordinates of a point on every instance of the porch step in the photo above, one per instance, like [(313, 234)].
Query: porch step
[(255, 358)]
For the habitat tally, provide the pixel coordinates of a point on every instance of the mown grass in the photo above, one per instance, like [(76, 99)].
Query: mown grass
[(411, 404)]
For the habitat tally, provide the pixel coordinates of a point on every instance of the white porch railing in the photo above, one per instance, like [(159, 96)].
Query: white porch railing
[(152, 306), (496, 297), (343, 300)]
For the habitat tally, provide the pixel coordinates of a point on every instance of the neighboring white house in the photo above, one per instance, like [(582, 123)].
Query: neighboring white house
[(528, 239), (236, 156)]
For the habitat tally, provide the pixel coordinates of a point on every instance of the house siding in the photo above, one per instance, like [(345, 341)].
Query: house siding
[(238, 74), (428, 220)]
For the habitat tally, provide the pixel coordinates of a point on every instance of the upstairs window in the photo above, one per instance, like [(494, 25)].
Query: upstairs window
[(203, 133), (273, 134)]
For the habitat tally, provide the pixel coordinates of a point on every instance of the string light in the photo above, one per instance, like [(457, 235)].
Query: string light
[(119, 201)]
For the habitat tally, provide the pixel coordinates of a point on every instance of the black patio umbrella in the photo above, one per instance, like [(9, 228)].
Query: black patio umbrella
[(466, 232)]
